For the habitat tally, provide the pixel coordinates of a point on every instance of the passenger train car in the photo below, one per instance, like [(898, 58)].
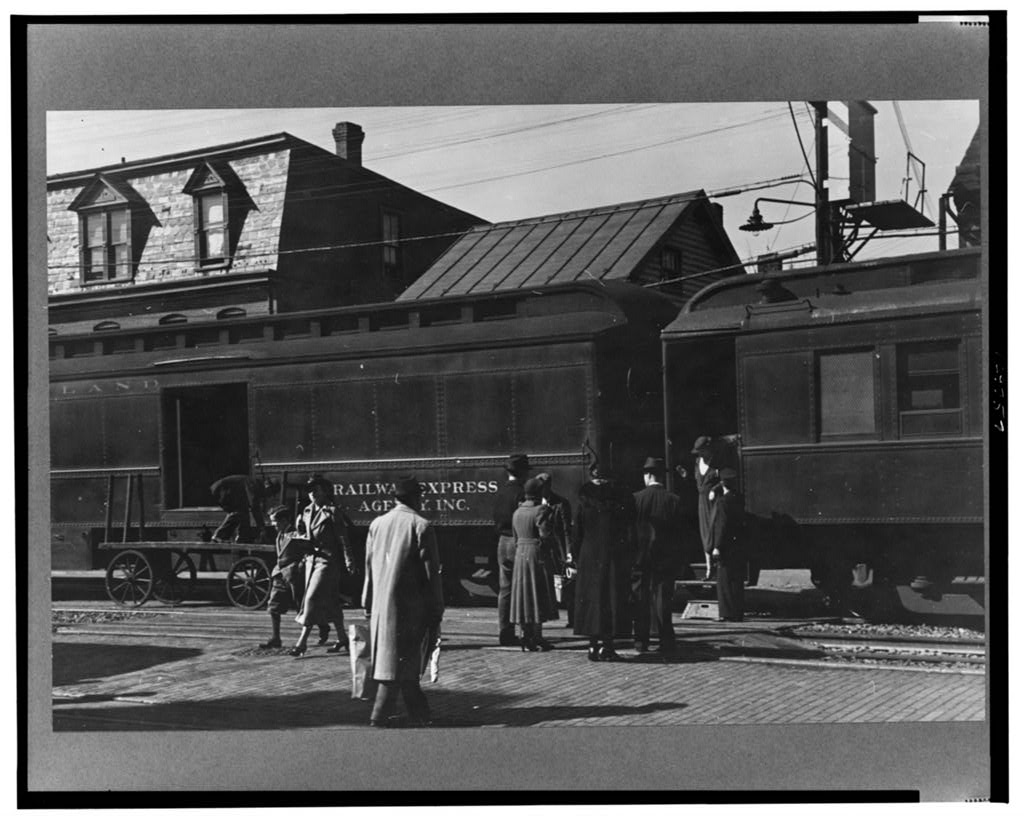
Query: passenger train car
[(854, 395), (444, 388)]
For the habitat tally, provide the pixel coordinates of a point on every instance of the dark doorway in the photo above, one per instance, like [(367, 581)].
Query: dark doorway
[(206, 433)]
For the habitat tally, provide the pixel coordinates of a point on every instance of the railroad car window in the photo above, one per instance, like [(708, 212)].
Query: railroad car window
[(929, 388), (478, 413), (551, 411), (776, 394), (131, 430), (283, 421), (76, 434), (846, 385), (407, 417), (344, 421)]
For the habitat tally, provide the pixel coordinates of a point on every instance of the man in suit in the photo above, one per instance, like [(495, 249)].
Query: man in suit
[(403, 599), (659, 558), (728, 540), (507, 500), (241, 497)]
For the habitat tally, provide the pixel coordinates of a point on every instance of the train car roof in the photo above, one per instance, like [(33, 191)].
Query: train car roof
[(890, 287), (564, 313)]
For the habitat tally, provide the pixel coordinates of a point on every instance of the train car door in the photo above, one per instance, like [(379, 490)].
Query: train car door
[(206, 437)]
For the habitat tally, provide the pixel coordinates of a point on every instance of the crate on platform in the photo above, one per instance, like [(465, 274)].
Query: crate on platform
[(701, 609)]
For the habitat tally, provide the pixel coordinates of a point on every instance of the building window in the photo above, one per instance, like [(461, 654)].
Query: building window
[(671, 264), (929, 389), (209, 192), (391, 248), (846, 389), (106, 245), (104, 230)]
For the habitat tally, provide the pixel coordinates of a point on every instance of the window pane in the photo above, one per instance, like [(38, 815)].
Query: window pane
[(847, 393), (96, 229), (214, 244), (213, 210), (97, 265), (121, 260), (119, 227), (390, 227)]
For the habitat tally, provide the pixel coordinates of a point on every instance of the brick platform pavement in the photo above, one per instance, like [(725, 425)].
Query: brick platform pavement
[(130, 674)]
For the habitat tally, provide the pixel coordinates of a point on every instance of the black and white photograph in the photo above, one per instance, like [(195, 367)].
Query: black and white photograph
[(594, 410)]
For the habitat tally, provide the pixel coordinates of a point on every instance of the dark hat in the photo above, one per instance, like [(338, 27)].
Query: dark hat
[(321, 480), (700, 445), (518, 464), (533, 488), (408, 486), (279, 510), (654, 464)]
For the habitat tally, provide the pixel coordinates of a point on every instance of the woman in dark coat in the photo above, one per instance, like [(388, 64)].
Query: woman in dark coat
[(603, 545), (729, 547), (532, 599), (706, 476)]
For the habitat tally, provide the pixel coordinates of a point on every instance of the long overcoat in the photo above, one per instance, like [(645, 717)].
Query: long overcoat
[(402, 591), (321, 602), (603, 548), (706, 483)]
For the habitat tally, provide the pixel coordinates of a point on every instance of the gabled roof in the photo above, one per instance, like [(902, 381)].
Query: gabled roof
[(606, 243)]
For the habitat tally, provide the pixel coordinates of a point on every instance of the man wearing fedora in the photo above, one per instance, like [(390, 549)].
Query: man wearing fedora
[(728, 542), (660, 555), (507, 500), (403, 599)]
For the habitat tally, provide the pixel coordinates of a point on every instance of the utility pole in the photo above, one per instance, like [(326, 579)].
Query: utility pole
[(822, 209)]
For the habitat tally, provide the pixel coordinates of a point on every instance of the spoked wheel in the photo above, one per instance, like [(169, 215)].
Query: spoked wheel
[(249, 583), (175, 584), (129, 578)]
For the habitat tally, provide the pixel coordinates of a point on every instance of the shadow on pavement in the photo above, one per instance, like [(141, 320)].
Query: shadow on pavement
[(319, 710), (74, 663)]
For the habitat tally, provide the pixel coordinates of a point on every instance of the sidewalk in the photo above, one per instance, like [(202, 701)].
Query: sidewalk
[(197, 667)]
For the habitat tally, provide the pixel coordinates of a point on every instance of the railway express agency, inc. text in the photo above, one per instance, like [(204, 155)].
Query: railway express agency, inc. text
[(376, 497)]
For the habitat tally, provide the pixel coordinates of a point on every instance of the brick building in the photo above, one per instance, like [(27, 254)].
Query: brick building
[(271, 224)]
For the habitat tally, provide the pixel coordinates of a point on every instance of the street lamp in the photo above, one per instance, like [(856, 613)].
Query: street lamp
[(756, 222)]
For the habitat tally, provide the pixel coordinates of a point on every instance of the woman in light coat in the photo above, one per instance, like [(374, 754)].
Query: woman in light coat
[(403, 599)]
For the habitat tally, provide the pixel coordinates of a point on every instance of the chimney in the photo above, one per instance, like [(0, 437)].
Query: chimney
[(348, 141)]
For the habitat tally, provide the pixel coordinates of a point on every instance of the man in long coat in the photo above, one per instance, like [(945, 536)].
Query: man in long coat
[(728, 538), (603, 545), (659, 516), (403, 599)]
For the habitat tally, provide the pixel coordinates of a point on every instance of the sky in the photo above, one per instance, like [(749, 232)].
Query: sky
[(519, 161)]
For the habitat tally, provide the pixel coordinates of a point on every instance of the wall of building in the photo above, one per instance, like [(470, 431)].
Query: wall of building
[(163, 228)]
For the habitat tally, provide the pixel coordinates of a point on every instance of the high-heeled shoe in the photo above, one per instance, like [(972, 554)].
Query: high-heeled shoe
[(296, 651), (608, 654), (338, 647), (594, 654)]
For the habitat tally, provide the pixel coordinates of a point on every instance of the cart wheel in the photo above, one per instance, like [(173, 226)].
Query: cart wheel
[(249, 583), (178, 583), (129, 578)]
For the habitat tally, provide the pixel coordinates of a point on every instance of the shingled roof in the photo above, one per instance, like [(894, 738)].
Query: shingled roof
[(605, 243)]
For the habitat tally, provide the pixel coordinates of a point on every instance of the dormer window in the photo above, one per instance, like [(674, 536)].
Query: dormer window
[(391, 248), (671, 264), (209, 192), (105, 231)]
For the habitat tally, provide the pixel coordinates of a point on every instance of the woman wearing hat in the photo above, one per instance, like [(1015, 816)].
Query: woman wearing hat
[(603, 548), (321, 604), (532, 602), (706, 475)]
